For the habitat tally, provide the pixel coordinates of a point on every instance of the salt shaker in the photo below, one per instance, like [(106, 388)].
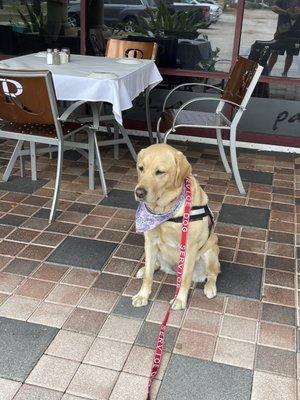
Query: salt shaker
[(49, 56), (56, 57)]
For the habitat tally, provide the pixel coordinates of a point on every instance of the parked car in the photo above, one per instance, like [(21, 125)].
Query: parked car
[(203, 10), (215, 9), (116, 11)]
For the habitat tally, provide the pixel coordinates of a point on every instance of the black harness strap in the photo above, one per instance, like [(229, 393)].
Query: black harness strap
[(205, 213)]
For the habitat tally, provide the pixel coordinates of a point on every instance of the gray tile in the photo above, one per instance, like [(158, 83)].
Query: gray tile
[(275, 360), (239, 280), (298, 340), (204, 380), (71, 155), (12, 219), (20, 266), (256, 176), (120, 198), (22, 185), (125, 308), (83, 253), (279, 314), (81, 208), (245, 216), (44, 213), (21, 346), (148, 336)]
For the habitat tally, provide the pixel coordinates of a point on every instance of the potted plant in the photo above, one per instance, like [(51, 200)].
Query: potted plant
[(34, 23), (164, 20), (165, 27)]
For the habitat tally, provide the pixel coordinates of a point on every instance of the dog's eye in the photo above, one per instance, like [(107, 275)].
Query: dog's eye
[(159, 172), (141, 168)]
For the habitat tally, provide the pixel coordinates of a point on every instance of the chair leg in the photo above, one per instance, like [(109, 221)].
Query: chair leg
[(91, 161), (116, 137), (21, 167), (12, 161), (50, 153), (148, 116), (33, 161), (101, 172), (222, 151), (235, 167), (128, 142), (60, 154)]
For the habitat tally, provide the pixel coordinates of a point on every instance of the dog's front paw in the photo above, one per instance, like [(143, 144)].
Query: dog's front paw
[(140, 273), (178, 303), (210, 290), (139, 300)]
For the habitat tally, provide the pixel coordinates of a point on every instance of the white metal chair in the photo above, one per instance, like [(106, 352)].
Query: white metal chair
[(28, 113), (237, 92)]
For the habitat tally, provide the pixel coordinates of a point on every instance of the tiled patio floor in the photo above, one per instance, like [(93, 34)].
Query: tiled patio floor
[(67, 327)]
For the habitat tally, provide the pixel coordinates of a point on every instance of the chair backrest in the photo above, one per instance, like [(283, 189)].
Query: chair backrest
[(117, 48), (242, 81), (27, 97)]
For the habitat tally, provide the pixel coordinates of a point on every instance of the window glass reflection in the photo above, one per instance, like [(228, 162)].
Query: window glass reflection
[(190, 33), (32, 26), (271, 35)]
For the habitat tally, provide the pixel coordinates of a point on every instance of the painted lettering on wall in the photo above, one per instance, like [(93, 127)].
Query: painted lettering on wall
[(285, 116)]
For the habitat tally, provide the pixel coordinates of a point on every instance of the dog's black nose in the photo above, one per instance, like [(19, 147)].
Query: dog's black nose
[(140, 193)]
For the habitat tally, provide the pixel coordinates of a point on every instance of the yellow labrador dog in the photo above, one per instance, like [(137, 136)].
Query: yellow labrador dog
[(161, 173)]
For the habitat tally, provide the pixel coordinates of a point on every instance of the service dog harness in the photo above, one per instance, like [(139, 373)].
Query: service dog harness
[(146, 220)]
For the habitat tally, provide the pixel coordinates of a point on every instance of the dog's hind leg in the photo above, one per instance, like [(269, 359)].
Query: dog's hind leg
[(212, 265)]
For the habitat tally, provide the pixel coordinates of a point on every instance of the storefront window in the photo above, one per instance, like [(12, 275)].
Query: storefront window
[(271, 35), (190, 33), (32, 26)]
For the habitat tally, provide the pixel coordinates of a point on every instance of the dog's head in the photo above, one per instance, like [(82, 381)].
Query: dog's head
[(161, 169)]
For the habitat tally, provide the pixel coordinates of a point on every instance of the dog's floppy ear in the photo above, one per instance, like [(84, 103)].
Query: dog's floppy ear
[(183, 168)]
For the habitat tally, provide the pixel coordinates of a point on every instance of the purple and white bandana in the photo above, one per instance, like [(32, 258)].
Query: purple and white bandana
[(145, 219)]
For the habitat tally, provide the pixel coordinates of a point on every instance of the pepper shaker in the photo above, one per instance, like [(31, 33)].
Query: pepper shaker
[(63, 57), (67, 51), (56, 57)]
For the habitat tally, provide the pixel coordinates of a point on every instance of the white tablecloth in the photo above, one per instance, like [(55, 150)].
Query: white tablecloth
[(72, 81)]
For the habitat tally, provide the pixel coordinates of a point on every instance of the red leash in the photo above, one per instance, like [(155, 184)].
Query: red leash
[(180, 267)]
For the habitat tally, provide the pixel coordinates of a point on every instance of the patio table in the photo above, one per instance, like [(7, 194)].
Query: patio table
[(94, 80), (73, 81)]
